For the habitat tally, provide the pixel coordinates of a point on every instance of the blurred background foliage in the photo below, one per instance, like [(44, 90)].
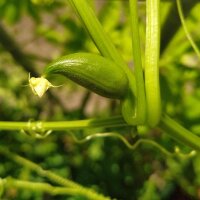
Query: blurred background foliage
[(34, 32)]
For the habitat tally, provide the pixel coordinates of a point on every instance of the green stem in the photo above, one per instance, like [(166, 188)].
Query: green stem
[(107, 49), (152, 51), (35, 167), (89, 193), (64, 125), (187, 33), (100, 38), (39, 187), (179, 133), (168, 125), (140, 89)]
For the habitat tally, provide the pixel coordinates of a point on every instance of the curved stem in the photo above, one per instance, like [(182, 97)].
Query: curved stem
[(100, 38), (123, 139), (136, 144), (187, 33), (107, 49)]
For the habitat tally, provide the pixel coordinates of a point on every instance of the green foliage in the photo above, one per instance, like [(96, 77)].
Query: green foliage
[(47, 30)]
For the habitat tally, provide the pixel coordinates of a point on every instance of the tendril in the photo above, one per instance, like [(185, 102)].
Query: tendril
[(176, 153), (187, 33)]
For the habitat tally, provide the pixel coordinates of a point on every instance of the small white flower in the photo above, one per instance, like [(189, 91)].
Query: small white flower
[(39, 85)]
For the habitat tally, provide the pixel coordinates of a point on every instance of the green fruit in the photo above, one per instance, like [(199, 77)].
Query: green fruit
[(93, 72)]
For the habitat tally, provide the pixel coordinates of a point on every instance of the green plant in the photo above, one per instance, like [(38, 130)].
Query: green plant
[(130, 112), (140, 97)]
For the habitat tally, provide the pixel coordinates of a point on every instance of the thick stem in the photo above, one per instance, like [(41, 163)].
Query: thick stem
[(152, 52)]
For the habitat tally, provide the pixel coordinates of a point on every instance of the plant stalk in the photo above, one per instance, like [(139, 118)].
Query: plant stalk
[(64, 125)]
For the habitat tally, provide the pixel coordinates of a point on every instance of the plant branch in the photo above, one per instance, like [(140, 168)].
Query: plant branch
[(63, 125), (89, 193), (39, 187), (168, 125)]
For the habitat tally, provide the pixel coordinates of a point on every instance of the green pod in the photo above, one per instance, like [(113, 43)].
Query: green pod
[(93, 72)]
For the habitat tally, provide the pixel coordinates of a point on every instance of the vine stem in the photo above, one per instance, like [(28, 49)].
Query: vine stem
[(116, 121), (39, 187), (87, 192), (168, 125)]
